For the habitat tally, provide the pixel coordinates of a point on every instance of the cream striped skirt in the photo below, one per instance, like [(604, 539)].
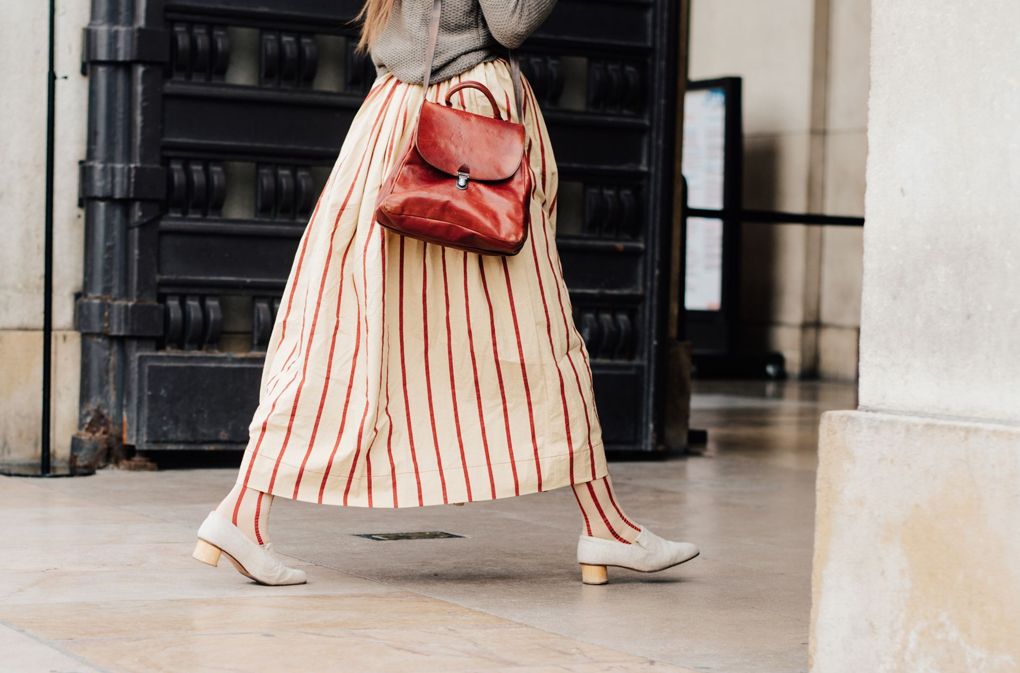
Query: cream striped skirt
[(403, 374)]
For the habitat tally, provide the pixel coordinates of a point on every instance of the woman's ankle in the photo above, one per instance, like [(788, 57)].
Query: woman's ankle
[(602, 515), (248, 509), (624, 534)]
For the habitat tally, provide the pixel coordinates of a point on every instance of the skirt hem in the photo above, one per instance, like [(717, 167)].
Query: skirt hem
[(555, 475)]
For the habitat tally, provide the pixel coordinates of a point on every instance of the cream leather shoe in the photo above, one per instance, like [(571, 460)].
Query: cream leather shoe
[(218, 535), (649, 553)]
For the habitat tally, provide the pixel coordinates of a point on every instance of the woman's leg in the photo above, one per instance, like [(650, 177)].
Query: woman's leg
[(248, 509), (603, 517)]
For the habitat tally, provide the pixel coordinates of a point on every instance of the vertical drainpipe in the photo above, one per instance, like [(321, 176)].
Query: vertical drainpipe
[(106, 222)]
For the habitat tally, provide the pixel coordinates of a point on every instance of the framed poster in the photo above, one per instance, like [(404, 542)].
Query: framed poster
[(712, 158)]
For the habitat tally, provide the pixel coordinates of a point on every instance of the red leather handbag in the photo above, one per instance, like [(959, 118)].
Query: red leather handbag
[(463, 181)]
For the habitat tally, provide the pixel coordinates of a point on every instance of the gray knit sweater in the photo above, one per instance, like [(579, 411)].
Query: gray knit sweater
[(470, 32)]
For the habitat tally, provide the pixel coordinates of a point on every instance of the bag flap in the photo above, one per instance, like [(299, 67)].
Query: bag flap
[(453, 140)]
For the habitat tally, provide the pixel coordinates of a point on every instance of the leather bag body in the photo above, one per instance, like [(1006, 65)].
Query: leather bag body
[(463, 181)]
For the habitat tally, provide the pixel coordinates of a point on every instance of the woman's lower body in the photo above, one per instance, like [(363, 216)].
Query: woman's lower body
[(403, 374)]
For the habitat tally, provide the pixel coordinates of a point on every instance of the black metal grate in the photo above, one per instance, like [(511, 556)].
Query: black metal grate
[(417, 535)]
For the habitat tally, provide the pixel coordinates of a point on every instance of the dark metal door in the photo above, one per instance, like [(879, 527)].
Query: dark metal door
[(213, 124)]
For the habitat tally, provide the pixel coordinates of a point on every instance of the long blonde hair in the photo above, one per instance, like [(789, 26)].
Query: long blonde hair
[(373, 17)]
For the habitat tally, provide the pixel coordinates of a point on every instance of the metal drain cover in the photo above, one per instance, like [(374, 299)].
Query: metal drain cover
[(414, 535)]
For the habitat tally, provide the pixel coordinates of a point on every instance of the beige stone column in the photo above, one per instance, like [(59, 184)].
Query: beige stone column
[(23, 48), (917, 543), (22, 165)]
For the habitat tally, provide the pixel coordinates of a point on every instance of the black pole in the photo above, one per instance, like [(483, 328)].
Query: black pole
[(45, 466), (779, 217)]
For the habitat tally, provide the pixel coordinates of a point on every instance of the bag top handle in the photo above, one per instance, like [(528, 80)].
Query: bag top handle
[(430, 54)]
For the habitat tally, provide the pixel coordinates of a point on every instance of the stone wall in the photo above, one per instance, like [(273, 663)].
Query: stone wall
[(804, 64), (23, 79), (917, 548)]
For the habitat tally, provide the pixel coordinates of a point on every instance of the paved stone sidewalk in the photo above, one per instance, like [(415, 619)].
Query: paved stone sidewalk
[(97, 575)]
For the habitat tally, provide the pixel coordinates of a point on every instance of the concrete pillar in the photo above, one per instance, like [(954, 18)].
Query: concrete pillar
[(23, 47), (917, 541)]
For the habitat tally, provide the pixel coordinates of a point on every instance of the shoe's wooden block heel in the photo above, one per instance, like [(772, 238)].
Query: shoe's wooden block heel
[(207, 553), (594, 574)]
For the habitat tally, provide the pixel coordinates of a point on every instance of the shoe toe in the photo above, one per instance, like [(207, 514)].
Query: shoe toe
[(281, 572), (294, 576), (684, 551)]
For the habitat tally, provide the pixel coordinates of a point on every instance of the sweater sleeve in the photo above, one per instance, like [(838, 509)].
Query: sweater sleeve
[(512, 21)]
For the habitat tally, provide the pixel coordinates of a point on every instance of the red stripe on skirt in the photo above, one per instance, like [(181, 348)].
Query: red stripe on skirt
[(474, 369), (361, 430), (529, 95), (383, 239), (304, 244), (577, 378), (386, 406), (354, 363), (375, 90), (560, 290), (428, 375), (343, 414), (389, 440), (376, 128), (364, 314), (368, 469), (548, 332), (403, 376), (265, 425), (453, 379), (524, 370), (329, 361), (499, 377), (329, 369), (255, 453), (275, 378), (297, 275), (386, 362), (364, 279), (591, 380)]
